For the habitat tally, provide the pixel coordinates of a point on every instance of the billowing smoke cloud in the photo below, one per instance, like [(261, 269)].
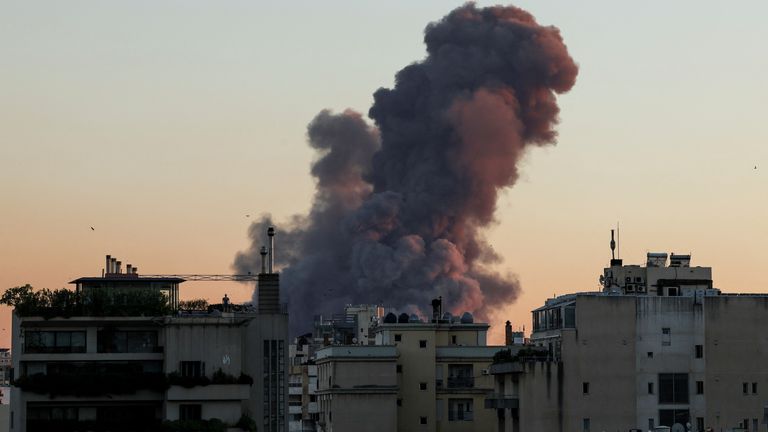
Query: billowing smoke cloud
[(399, 209)]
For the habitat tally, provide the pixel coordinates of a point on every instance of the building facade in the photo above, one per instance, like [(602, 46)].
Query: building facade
[(426, 375), (119, 364), (657, 347)]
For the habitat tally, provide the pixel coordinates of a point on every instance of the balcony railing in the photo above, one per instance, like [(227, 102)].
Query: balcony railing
[(461, 382), (500, 401), (460, 416)]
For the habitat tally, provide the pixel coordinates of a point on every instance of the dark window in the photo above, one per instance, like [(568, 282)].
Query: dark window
[(585, 388), (399, 368), (398, 337), (699, 351), (192, 369), (745, 388), (650, 424), (54, 342), (585, 425), (422, 343), (460, 410), (453, 339), (118, 341), (399, 402), (668, 417), (673, 389), (745, 424), (460, 376), (754, 425), (650, 388), (422, 386), (699, 387), (190, 411), (666, 336), (754, 387), (699, 423), (422, 420), (313, 398), (650, 354)]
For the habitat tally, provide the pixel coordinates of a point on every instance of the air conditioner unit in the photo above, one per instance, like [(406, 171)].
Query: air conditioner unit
[(630, 288), (485, 372), (641, 288)]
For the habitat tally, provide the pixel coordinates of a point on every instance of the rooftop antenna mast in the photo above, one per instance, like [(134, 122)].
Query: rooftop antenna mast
[(618, 239), (613, 247)]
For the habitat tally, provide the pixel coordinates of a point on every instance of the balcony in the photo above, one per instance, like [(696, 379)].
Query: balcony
[(210, 392), (498, 401), (461, 382)]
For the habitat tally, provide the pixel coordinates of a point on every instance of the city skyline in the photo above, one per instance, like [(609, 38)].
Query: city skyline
[(162, 146)]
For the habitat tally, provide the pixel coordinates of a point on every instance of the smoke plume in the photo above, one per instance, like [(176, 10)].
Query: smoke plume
[(399, 210)]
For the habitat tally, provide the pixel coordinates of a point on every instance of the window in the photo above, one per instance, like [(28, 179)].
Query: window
[(118, 341), (699, 423), (423, 343), (399, 368), (453, 339), (650, 388), (422, 386), (190, 411), (650, 424), (650, 354), (754, 425), (422, 420), (398, 337), (666, 336), (673, 389), (585, 425), (399, 402), (745, 388), (699, 351), (745, 424), (699, 387), (192, 369), (460, 376), (754, 388), (54, 342), (460, 410), (585, 388)]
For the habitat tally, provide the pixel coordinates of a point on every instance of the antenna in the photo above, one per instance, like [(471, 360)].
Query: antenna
[(613, 247), (618, 239)]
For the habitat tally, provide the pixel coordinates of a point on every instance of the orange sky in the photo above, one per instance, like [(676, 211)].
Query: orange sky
[(163, 126)]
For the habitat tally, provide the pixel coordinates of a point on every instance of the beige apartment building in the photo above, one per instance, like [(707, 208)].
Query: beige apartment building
[(419, 376), (657, 347)]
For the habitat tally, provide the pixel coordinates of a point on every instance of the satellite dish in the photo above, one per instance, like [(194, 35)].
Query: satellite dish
[(677, 427)]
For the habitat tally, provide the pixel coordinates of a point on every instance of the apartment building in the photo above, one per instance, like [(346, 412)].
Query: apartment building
[(657, 347), (117, 353), (440, 379)]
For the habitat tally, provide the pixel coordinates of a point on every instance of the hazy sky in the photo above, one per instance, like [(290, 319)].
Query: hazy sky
[(162, 124)]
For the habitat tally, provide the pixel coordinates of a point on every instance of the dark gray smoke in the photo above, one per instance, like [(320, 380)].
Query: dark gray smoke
[(399, 210)]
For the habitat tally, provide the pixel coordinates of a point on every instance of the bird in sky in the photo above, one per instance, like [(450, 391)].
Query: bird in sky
[(93, 229)]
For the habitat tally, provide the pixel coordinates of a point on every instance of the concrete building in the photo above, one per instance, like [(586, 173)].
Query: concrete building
[(419, 376), (302, 387), (658, 346), (107, 359)]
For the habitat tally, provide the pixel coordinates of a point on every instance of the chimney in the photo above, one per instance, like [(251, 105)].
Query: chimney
[(271, 235), (508, 339), (437, 309), (135, 270), (107, 265), (128, 269), (119, 266), (112, 265), (263, 259)]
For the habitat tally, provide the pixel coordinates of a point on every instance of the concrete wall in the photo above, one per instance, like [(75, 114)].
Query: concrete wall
[(736, 352), (363, 413)]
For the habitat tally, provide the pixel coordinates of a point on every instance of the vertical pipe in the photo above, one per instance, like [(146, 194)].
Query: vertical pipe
[(106, 266), (128, 269), (112, 265), (118, 267), (271, 234), (263, 259)]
